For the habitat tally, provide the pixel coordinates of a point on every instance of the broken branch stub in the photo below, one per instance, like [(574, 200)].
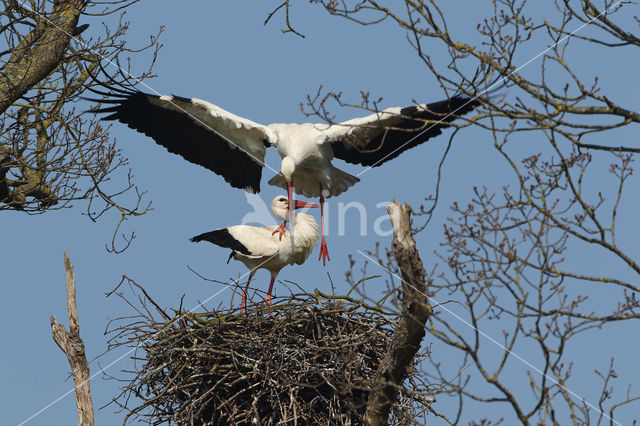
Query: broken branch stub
[(410, 330), (73, 347)]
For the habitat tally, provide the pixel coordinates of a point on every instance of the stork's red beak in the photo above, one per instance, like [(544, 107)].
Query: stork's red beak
[(302, 204)]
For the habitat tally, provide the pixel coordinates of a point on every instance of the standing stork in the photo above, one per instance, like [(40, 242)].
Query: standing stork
[(258, 248), (234, 147)]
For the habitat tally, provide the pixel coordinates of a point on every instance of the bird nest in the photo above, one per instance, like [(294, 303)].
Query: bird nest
[(312, 362)]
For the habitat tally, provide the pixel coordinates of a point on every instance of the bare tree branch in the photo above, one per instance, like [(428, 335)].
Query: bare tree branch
[(512, 257), (73, 347), (287, 8), (410, 329), (32, 61), (52, 154)]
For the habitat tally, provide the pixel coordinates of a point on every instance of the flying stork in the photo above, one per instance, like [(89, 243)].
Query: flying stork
[(258, 247), (234, 147)]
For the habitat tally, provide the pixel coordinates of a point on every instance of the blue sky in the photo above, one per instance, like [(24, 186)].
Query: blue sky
[(221, 52)]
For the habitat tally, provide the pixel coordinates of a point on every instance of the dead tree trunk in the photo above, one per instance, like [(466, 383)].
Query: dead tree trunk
[(73, 347), (410, 330)]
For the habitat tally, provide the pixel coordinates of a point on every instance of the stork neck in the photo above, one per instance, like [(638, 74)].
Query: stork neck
[(303, 224)]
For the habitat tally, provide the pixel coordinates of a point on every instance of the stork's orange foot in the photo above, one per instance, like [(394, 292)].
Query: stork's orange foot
[(268, 300), (280, 229), (244, 299), (324, 252)]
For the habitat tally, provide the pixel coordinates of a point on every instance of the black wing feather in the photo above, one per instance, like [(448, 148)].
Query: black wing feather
[(386, 144), (181, 135), (222, 238)]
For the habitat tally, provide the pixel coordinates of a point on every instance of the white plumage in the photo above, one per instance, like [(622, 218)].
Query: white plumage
[(234, 147), (258, 247)]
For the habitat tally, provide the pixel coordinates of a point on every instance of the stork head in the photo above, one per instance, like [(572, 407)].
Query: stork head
[(280, 206), (287, 168)]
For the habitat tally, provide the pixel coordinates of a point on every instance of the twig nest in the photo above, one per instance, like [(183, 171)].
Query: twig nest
[(309, 363)]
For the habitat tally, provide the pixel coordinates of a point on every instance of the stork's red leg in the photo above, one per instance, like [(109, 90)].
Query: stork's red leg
[(290, 200), (244, 292), (273, 279), (324, 252), (280, 229)]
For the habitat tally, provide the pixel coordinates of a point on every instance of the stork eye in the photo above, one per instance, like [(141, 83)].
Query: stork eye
[(282, 200)]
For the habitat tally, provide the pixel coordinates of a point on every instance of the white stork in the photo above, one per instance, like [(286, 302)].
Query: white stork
[(258, 248), (234, 147)]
